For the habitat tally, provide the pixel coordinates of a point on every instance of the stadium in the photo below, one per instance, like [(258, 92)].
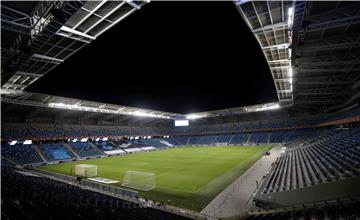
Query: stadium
[(86, 156)]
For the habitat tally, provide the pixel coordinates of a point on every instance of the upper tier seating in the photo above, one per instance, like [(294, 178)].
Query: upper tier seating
[(51, 131)]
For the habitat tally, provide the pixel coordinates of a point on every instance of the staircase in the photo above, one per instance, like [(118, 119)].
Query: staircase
[(269, 137), (71, 150), (231, 137), (38, 150), (115, 145), (97, 149), (247, 141)]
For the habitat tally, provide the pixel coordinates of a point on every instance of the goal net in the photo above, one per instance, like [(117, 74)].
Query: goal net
[(86, 170), (139, 180)]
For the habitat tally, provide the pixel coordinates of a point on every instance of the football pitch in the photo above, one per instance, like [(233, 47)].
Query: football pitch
[(188, 177)]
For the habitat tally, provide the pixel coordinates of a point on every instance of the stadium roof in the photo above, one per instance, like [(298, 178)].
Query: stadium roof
[(46, 33), (271, 23), (312, 49)]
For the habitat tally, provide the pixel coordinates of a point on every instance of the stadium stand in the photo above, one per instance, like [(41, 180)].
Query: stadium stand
[(70, 150), (103, 145), (322, 156), (15, 131), (35, 197), (84, 149), (56, 151), (208, 139), (344, 209), (20, 153)]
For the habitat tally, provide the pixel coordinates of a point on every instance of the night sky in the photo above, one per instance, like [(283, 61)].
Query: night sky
[(179, 57)]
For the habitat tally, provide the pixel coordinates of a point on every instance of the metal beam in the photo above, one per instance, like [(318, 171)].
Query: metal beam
[(334, 23), (27, 74), (72, 31), (331, 70), (47, 58), (303, 82), (276, 26), (276, 46), (329, 63), (329, 46)]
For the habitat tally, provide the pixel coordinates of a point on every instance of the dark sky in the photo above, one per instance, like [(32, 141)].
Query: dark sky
[(173, 56)]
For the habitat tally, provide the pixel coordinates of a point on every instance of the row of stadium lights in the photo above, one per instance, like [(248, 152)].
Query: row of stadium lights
[(119, 111), (86, 139), (290, 24), (93, 109), (145, 137), (12, 143)]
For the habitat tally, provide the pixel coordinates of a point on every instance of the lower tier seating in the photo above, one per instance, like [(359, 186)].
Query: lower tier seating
[(29, 197), (84, 149), (333, 156), (20, 153), (56, 151)]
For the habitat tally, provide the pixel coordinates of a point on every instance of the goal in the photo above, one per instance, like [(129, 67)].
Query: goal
[(86, 170), (139, 180)]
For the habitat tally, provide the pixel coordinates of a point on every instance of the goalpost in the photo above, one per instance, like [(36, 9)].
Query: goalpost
[(86, 170), (139, 180)]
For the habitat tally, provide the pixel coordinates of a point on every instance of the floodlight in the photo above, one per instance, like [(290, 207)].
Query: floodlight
[(289, 53), (104, 110), (268, 107), (13, 143), (290, 16), (27, 142), (194, 116), (97, 139), (105, 139), (84, 140), (290, 72), (74, 140), (137, 137), (149, 137)]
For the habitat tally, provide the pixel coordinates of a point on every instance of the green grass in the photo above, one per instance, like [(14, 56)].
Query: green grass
[(188, 177)]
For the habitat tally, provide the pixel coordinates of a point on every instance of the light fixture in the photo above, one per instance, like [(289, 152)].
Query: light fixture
[(290, 16)]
